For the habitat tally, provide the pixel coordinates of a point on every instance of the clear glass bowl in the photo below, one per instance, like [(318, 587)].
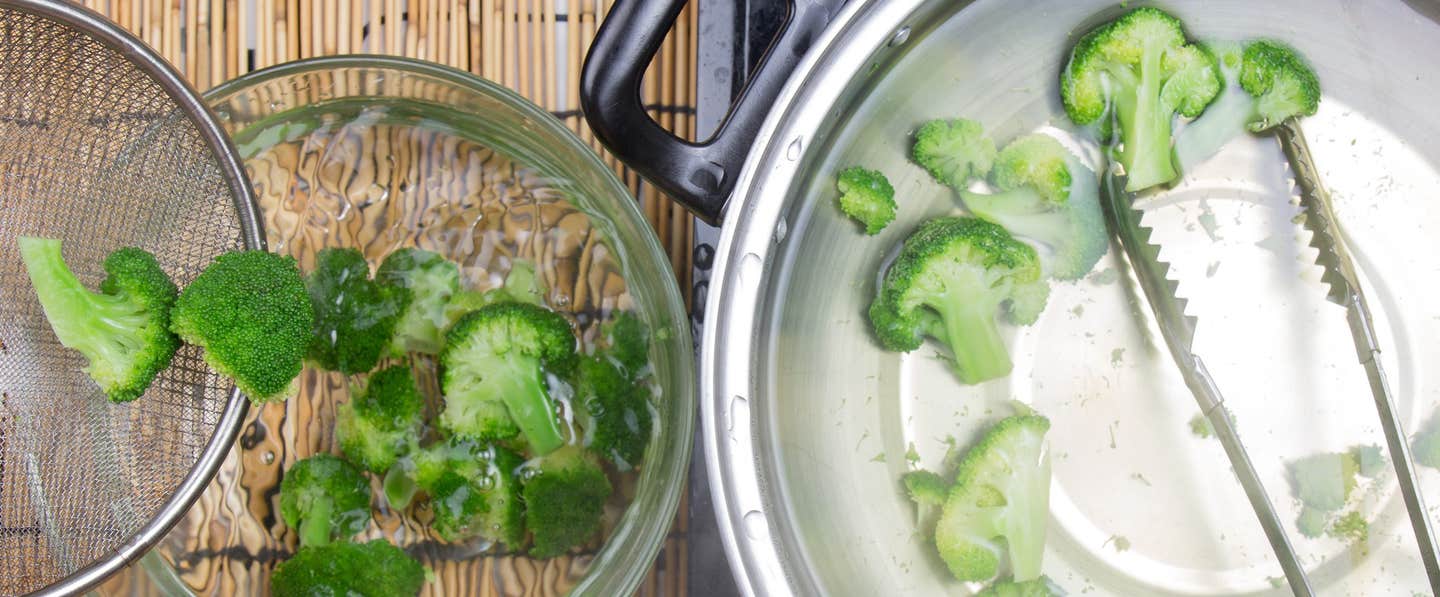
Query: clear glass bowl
[(379, 153)]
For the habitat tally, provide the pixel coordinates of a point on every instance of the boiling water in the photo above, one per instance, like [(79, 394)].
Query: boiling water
[(380, 177), (1139, 504)]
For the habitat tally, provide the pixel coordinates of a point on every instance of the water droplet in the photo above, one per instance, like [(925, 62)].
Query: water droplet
[(792, 152), (750, 267), (268, 458), (781, 229), (223, 115), (756, 527), (739, 411), (900, 37)]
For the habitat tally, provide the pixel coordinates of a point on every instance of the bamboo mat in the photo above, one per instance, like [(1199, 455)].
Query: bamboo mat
[(535, 47)]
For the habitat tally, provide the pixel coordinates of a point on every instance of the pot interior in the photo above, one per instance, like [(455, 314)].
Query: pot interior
[(1139, 504)]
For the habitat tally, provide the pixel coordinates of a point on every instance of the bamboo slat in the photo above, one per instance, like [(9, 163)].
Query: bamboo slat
[(533, 46)]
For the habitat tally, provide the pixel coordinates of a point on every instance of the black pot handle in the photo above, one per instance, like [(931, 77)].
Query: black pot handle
[(698, 175)]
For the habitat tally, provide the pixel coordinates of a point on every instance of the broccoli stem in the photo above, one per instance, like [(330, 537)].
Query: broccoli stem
[(92, 323), (1145, 123), (315, 527), (1029, 512), (1224, 120), (1023, 212), (520, 382), (399, 487), (979, 351)]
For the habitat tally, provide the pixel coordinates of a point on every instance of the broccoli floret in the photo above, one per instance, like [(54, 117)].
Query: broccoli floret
[(1201, 427), (464, 302), (1426, 447), (1046, 194), (250, 312), (1324, 481), (1283, 84), (999, 504), (494, 374), (615, 410), (564, 499), (431, 281), (951, 278), (355, 316), (954, 151), (628, 340), (1267, 83), (522, 285), (1369, 460), (928, 491), (324, 498), (376, 569), (378, 425), (474, 490), (123, 330), (1352, 526), (926, 488), (867, 197), (1312, 522), (1040, 587), (1139, 71)]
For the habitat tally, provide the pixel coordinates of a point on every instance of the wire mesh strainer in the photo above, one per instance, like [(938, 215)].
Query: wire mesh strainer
[(103, 146)]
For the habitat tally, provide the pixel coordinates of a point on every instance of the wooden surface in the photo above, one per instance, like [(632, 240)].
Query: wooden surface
[(533, 46)]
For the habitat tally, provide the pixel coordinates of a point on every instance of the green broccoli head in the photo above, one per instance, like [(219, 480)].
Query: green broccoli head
[(380, 424), (123, 330), (374, 568), (953, 151), (494, 374), (324, 498), (522, 284), (1324, 481), (1036, 162), (1266, 83), (867, 197), (615, 410), (1039, 587), (1426, 447), (474, 491), (355, 316), (564, 499), (1350, 526), (926, 488), (928, 491), (251, 313), (999, 504), (1139, 72), (627, 340), (431, 281), (1311, 522), (951, 278), (1369, 459), (1046, 194), (1283, 84)]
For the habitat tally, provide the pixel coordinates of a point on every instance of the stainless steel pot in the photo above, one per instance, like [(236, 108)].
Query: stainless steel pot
[(808, 425)]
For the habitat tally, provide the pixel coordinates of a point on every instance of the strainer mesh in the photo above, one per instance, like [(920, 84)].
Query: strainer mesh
[(93, 151)]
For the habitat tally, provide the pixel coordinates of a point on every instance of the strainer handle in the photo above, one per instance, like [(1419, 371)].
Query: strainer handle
[(698, 175)]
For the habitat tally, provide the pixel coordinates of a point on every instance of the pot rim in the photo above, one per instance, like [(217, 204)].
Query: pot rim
[(747, 505)]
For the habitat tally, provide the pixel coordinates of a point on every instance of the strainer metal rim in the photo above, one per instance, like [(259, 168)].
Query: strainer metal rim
[(252, 236)]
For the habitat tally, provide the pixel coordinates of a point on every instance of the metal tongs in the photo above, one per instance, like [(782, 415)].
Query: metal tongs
[(1341, 276), (1178, 330)]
